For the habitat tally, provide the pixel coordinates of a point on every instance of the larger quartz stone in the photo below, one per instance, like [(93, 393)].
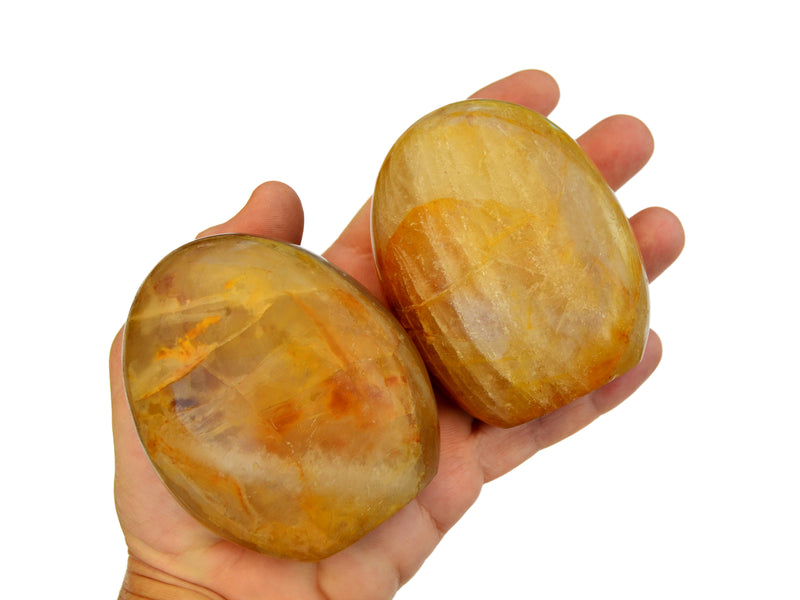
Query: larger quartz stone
[(504, 253), (282, 406)]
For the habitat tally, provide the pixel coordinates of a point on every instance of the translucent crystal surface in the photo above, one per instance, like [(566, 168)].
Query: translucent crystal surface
[(282, 405), (506, 256)]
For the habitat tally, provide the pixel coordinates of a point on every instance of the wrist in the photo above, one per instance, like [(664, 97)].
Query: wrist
[(144, 582)]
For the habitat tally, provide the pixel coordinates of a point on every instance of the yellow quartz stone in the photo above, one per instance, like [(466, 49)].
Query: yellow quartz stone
[(508, 259), (283, 407)]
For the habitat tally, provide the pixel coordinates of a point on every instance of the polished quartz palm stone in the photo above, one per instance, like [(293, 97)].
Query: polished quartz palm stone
[(506, 256), (283, 407)]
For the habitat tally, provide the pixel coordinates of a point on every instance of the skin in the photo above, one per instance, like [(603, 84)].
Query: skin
[(173, 556)]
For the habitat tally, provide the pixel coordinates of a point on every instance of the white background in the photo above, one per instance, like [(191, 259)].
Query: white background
[(125, 129)]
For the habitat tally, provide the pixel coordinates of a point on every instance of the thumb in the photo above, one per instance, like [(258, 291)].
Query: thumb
[(273, 210)]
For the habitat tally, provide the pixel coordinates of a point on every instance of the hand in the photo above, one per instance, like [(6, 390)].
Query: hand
[(172, 555)]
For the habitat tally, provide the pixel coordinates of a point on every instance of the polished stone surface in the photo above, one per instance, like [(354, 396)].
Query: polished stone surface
[(283, 407), (504, 253)]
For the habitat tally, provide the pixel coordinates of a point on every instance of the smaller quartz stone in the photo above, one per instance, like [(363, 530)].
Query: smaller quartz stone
[(508, 259), (283, 407)]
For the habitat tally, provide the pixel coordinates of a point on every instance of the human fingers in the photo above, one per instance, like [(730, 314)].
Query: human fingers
[(273, 210), (619, 146), (660, 236), (534, 89)]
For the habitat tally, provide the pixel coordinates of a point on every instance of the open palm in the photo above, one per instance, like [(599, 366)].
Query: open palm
[(171, 555)]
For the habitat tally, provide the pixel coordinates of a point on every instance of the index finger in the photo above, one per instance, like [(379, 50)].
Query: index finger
[(533, 89)]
